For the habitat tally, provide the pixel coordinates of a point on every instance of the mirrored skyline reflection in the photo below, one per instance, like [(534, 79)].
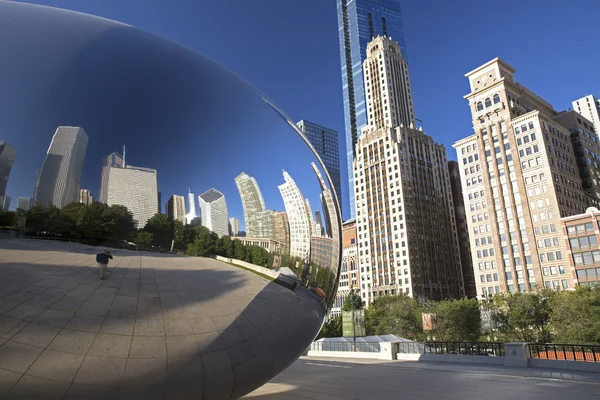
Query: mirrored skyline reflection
[(188, 126)]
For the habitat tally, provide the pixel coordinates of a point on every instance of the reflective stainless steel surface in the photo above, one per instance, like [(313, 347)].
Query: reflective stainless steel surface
[(103, 126)]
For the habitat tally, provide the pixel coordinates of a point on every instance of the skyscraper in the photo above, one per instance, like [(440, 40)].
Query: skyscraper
[(60, 175), (7, 158), (85, 196), (214, 212), (5, 203), (282, 230), (234, 226), (462, 229), (133, 187), (258, 220), (331, 217), (325, 142), (313, 223), (191, 214), (24, 203), (112, 160), (359, 21), (176, 208), (404, 211), (299, 222), (589, 107), (520, 176)]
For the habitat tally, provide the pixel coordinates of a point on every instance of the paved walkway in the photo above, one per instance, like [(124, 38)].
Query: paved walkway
[(315, 378), (160, 326)]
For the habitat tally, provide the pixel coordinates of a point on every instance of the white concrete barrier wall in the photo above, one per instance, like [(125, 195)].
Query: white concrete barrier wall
[(257, 268)]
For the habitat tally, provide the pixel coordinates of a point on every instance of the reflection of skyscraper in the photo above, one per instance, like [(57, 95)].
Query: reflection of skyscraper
[(214, 212), (358, 22), (85, 196), (24, 203), (325, 142), (7, 158), (281, 230), (331, 218), (159, 201), (4, 202), (60, 174), (258, 220), (313, 223), (234, 225), (133, 187), (176, 208), (295, 208), (191, 215), (112, 160)]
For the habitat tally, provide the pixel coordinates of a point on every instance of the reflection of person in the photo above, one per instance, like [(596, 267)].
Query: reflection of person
[(102, 260)]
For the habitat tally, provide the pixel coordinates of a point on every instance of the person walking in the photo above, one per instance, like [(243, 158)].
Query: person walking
[(102, 260)]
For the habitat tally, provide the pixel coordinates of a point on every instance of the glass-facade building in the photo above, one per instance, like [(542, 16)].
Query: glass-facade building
[(358, 22), (325, 142)]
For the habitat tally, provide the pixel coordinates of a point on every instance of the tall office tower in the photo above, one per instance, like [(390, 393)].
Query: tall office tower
[(462, 230), (519, 175), (318, 219), (159, 201), (350, 276), (586, 146), (191, 214), (295, 208), (60, 175), (176, 208), (405, 216), (589, 107), (214, 212), (282, 230), (7, 158), (5, 203), (332, 220), (85, 196), (313, 223), (359, 21), (234, 226), (135, 188), (258, 220), (325, 142), (24, 203), (108, 162), (387, 83)]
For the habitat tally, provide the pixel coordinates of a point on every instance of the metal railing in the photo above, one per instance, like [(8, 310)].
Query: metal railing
[(459, 348), (362, 347), (569, 352)]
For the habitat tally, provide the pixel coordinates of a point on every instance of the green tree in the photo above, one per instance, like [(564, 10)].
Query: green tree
[(204, 244), (331, 328), (398, 314), (117, 221), (72, 214), (39, 218), (239, 250), (575, 315), (353, 302), (92, 224), (524, 317), (144, 239), (161, 229), (179, 235), (8, 218), (458, 320)]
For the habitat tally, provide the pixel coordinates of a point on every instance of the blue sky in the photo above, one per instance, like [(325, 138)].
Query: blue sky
[(289, 50)]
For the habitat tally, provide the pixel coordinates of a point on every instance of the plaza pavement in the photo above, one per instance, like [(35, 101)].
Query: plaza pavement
[(316, 378), (159, 327)]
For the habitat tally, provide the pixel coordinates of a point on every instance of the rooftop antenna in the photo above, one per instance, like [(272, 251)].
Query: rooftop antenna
[(123, 156)]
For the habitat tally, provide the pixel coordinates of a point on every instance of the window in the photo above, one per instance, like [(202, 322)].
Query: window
[(496, 98), (479, 106), (488, 103)]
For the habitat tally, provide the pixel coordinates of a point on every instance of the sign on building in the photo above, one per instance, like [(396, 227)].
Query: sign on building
[(489, 319), (353, 323)]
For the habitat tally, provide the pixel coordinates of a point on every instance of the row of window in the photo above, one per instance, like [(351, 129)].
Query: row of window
[(588, 273), (524, 128), (586, 257), (583, 242), (580, 228), (470, 159), (488, 102), (553, 270), (489, 278)]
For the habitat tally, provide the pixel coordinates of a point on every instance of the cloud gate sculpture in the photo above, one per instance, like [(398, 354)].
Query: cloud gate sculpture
[(202, 190)]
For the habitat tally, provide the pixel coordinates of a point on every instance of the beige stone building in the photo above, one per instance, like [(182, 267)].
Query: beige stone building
[(272, 246), (589, 107), (520, 176), (582, 240), (349, 276), (281, 231)]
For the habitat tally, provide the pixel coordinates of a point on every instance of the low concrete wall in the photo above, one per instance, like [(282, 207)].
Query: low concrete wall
[(257, 268), (580, 366), (457, 358)]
